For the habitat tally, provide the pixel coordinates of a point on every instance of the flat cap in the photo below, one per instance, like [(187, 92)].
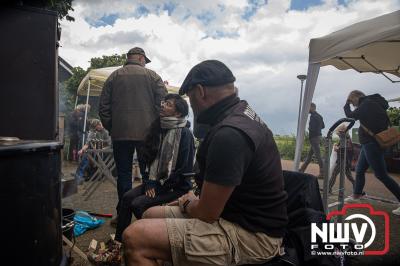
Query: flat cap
[(138, 50), (207, 73)]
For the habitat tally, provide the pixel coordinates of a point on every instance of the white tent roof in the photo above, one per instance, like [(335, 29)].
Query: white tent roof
[(377, 40), (394, 100), (97, 79)]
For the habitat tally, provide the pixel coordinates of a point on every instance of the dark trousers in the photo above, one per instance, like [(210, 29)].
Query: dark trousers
[(123, 156), (372, 155), (135, 201), (73, 148), (314, 150), (335, 173)]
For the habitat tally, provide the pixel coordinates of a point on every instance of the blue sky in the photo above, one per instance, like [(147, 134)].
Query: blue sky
[(302, 5), (265, 43)]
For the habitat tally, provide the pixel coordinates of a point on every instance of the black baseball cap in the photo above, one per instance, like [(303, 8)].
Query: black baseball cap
[(207, 73), (138, 50)]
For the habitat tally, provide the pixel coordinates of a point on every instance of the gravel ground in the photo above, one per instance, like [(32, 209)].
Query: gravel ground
[(104, 200)]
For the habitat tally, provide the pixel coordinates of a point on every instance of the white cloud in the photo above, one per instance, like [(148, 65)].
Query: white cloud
[(266, 51)]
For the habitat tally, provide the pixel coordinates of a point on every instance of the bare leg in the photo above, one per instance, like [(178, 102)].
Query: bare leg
[(145, 242), (154, 212)]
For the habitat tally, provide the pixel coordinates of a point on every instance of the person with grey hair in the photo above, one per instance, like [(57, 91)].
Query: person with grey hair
[(371, 112), (96, 133), (82, 107), (315, 126), (129, 103)]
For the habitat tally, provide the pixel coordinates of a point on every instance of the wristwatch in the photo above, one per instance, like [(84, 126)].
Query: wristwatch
[(185, 204)]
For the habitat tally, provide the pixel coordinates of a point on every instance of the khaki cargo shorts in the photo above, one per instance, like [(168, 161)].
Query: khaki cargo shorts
[(194, 242)]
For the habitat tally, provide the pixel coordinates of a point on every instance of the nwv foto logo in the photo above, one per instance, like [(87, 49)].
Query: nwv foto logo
[(337, 235)]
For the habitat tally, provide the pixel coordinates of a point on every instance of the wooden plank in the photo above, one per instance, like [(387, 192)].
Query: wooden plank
[(75, 248), (93, 245)]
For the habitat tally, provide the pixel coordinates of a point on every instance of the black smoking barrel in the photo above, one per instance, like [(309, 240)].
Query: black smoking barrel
[(31, 203)]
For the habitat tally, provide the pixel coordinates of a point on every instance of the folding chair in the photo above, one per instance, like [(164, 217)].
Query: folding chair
[(328, 147), (104, 161)]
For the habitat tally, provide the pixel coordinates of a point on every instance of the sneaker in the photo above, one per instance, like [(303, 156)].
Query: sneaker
[(79, 180), (352, 199), (396, 211)]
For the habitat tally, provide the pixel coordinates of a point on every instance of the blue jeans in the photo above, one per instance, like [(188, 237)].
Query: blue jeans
[(82, 167), (371, 155), (123, 156)]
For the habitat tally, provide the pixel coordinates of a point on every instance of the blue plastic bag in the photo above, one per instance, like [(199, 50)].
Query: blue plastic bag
[(84, 221)]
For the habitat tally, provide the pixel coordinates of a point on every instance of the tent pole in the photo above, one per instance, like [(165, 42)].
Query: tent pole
[(86, 112), (312, 76), (76, 101), (301, 98)]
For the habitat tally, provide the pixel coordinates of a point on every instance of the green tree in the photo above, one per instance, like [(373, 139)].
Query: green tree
[(68, 91), (62, 7), (394, 115), (107, 61)]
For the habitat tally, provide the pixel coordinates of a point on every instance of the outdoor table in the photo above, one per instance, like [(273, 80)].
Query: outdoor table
[(104, 160)]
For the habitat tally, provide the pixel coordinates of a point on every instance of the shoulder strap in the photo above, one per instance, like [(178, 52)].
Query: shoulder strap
[(367, 130)]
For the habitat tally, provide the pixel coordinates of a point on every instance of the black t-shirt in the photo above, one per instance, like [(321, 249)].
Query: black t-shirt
[(227, 166), (258, 203)]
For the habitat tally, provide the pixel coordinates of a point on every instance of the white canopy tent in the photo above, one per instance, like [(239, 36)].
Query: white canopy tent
[(394, 100), (92, 85), (368, 46), (94, 81)]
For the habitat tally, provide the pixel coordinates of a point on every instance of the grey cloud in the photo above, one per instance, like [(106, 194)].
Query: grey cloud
[(265, 55), (120, 38)]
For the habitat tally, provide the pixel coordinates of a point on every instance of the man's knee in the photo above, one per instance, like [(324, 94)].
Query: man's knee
[(131, 237), (154, 212)]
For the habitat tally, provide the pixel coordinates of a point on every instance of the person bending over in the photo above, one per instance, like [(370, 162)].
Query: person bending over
[(169, 154), (96, 133), (370, 110), (240, 216)]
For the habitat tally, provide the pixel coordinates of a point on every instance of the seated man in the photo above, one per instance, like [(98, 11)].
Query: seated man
[(97, 135), (240, 216), (168, 152)]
